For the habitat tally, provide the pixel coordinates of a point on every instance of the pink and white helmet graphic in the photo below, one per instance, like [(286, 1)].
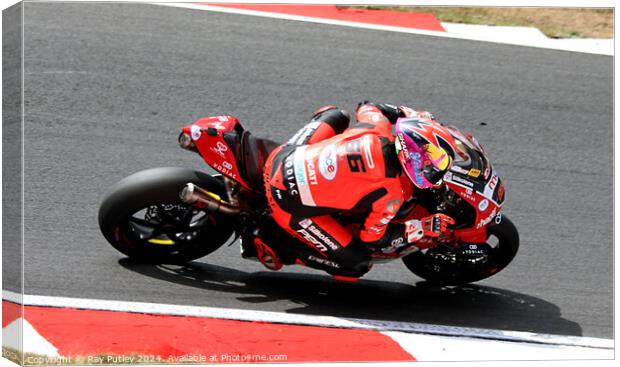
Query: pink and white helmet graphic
[(425, 150)]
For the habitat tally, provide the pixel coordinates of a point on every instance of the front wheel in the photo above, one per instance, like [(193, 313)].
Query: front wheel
[(144, 218), (467, 263)]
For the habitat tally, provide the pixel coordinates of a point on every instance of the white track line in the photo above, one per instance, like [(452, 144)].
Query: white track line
[(426, 348), (310, 320), (490, 36)]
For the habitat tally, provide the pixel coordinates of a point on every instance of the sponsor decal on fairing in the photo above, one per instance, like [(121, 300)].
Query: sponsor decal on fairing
[(473, 249), (462, 181), (490, 187), (220, 149), (225, 168), (474, 173), (458, 169), (323, 261), (488, 219)]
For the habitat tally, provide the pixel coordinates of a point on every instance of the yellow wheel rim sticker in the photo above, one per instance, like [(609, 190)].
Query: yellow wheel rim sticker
[(161, 242)]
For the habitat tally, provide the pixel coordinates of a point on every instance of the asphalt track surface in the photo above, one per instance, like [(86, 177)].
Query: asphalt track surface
[(107, 87)]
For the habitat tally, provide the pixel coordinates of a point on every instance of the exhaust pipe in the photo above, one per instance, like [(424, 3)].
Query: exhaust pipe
[(191, 194)]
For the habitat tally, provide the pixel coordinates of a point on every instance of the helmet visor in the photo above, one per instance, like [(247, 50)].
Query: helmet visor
[(435, 163)]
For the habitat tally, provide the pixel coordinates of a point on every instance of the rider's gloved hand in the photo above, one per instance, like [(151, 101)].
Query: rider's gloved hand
[(433, 226), (436, 225)]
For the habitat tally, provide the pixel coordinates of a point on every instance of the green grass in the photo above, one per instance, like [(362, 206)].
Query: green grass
[(553, 22)]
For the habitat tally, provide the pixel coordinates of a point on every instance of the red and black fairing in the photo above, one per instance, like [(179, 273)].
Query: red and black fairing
[(473, 195), (208, 135), (231, 150), (479, 189)]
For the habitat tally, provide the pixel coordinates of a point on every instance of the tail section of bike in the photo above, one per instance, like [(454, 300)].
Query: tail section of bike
[(216, 139), (231, 150)]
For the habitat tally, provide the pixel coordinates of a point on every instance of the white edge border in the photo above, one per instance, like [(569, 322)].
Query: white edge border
[(307, 320), (546, 44)]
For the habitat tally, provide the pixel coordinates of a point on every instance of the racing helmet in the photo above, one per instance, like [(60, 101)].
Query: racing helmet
[(425, 150)]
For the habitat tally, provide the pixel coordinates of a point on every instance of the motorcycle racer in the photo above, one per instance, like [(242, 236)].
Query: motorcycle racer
[(328, 167)]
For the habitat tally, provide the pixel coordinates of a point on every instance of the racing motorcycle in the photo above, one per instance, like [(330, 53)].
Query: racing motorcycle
[(175, 215)]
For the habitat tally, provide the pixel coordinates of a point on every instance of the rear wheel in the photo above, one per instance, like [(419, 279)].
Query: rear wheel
[(144, 218), (467, 263)]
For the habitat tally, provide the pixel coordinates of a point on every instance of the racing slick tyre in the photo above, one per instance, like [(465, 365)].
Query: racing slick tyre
[(144, 218), (467, 263)]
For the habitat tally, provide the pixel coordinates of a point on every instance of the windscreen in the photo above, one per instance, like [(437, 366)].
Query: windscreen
[(467, 157)]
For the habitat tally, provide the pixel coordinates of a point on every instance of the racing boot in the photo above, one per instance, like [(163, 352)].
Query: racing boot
[(354, 260), (266, 255)]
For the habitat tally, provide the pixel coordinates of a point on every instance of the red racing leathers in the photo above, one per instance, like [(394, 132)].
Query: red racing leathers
[(327, 168)]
